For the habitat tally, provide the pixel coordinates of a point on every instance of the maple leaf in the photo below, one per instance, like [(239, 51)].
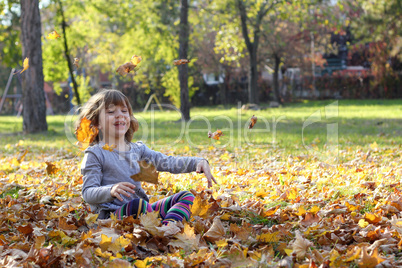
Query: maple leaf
[(301, 245), (136, 60), (53, 35), (216, 232), (150, 221), (253, 120), (216, 135), (51, 168), (186, 240), (369, 261), (86, 133), (180, 62), (147, 173), (200, 207), (75, 63), (119, 244)]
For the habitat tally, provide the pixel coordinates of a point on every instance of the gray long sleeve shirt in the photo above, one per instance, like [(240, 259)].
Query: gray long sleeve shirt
[(101, 169)]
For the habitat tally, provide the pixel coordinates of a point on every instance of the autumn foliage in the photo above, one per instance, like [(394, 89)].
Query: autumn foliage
[(297, 213)]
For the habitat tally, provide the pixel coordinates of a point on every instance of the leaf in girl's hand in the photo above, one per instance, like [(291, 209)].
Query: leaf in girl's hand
[(85, 133), (253, 120), (25, 65), (53, 35), (147, 173), (75, 63), (180, 62), (109, 148), (129, 66), (216, 135)]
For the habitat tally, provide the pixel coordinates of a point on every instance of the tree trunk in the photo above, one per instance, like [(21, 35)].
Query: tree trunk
[(67, 54), (34, 113), (253, 77), (183, 69), (276, 79)]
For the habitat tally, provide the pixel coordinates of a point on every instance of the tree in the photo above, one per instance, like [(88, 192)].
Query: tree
[(34, 114), (183, 69), (252, 41)]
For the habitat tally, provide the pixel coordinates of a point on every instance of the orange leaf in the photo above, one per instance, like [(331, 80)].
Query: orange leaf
[(180, 62), (27, 229), (216, 135), (372, 218), (109, 148), (86, 133), (253, 120)]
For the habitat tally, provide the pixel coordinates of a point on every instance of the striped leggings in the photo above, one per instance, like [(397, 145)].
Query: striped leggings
[(171, 209)]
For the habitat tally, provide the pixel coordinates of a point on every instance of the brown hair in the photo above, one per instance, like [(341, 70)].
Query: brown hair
[(102, 99)]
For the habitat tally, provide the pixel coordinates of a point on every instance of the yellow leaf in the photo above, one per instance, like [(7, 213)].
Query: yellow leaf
[(200, 207), (288, 251), (362, 223), (91, 218), (140, 263), (150, 221), (109, 148), (314, 209), (301, 211), (269, 237), (105, 254), (136, 59), (186, 240), (372, 217), (53, 35), (225, 217), (105, 242), (119, 244), (292, 194), (221, 243), (25, 65), (374, 145), (261, 193)]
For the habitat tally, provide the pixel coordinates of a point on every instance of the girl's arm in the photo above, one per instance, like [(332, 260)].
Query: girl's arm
[(177, 164), (92, 190)]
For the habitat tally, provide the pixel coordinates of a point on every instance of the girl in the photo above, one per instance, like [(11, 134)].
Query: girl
[(107, 185)]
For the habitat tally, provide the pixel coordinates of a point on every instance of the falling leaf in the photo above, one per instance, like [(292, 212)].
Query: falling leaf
[(51, 168), (180, 62), (86, 133), (53, 35), (216, 135), (136, 60), (75, 63), (147, 173), (129, 66), (253, 120), (109, 148), (25, 65)]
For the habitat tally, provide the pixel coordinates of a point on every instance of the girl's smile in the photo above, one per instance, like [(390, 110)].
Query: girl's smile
[(114, 121)]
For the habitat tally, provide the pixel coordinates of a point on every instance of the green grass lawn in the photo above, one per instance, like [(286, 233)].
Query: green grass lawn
[(354, 123)]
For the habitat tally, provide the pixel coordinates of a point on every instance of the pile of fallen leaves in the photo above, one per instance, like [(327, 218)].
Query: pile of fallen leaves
[(293, 212)]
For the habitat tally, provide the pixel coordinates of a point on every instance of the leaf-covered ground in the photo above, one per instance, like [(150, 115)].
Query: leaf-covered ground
[(300, 212)]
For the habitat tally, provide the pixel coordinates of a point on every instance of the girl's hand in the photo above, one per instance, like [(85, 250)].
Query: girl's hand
[(203, 167), (122, 188)]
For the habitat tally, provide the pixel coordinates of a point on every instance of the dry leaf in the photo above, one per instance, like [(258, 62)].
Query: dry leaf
[(51, 168), (216, 135), (186, 240), (147, 173), (301, 245), (180, 62), (75, 63), (109, 148), (253, 120), (150, 221), (216, 232), (129, 66)]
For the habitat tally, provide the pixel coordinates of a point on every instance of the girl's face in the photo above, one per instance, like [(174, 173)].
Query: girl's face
[(114, 121)]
